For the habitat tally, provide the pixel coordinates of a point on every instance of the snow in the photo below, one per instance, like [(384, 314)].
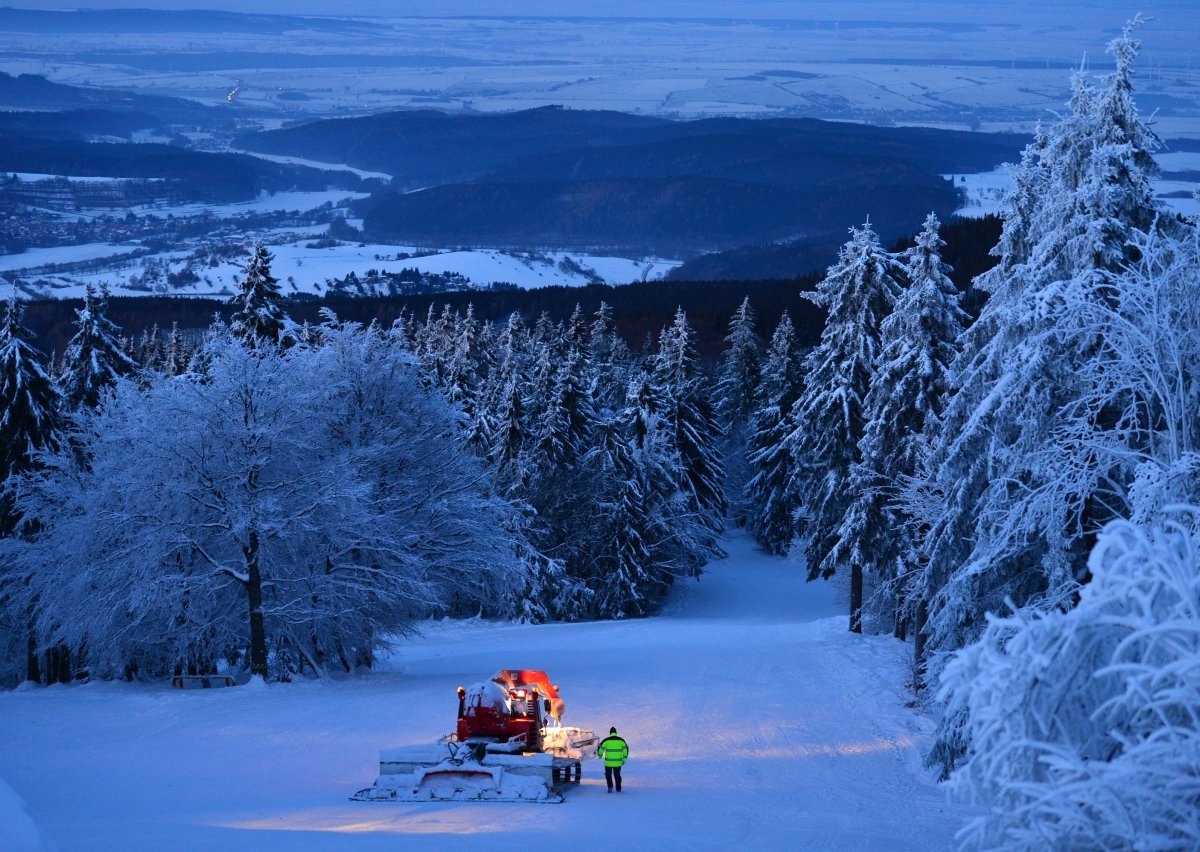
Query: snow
[(1178, 161), (985, 190), (316, 164), (40, 176), (491, 266), (754, 719), (302, 269), (266, 202), (35, 257), (17, 831)]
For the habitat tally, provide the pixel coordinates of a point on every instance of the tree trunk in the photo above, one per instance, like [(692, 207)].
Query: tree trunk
[(856, 598), (900, 625), (258, 633), (33, 669), (919, 641)]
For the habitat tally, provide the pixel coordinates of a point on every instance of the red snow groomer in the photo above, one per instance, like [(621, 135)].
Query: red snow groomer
[(509, 746)]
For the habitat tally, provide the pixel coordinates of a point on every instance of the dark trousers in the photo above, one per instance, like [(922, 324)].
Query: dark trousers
[(613, 773)]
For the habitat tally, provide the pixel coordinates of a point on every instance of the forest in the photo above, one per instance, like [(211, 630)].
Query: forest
[(1010, 487)]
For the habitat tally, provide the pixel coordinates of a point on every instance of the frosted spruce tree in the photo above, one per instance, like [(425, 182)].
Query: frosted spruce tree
[(566, 416), (828, 420), (769, 502), (259, 318), (902, 406), (610, 359), (587, 438), (691, 427), (30, 402), (734, 400), (94, 359), (31, 422), (466, 367), (627, 581), (1008, 525)]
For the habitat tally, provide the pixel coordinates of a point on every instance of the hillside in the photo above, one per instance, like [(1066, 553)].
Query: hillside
[(664, 216), (33, 92), (569, 178), (421, 147)]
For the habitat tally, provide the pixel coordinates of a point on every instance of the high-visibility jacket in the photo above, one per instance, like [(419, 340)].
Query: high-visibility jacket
[(613, 750)]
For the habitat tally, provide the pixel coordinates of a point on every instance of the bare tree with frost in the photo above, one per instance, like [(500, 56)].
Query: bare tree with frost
[(296, 506)]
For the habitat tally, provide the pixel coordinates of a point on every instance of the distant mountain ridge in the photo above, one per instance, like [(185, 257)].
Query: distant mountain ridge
[(422, 146), (551, 177), (34, 92)]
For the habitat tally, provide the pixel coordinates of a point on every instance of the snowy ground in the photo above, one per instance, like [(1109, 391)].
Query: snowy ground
[(985, 190), (301, 268), (304, 269), (754, 719)]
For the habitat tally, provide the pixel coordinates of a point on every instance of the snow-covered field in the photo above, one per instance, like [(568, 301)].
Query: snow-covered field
[(303, 269), (985, 190), (755, 721)]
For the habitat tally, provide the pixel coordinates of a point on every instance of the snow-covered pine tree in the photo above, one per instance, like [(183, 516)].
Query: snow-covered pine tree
[(503, 399), (906, 396), (463, 376), (648, 534), (31, 422), (149, 348), (734, 400), (609, 357), (691, 427), (543, 367), (508, 438), (30, 402), (1145, 392), (768, 499), (604, 345), (562, 426), (625, 577), (739, 372), (94, 358), (512, 345), (576, 333), (260, 319), (1016, 504), (174, 356), (828, 420)]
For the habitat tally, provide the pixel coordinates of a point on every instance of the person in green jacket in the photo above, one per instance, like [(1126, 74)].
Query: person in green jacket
[(614, 751)]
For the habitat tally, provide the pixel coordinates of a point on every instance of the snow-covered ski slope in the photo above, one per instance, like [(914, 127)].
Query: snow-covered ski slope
[(755, 721)]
